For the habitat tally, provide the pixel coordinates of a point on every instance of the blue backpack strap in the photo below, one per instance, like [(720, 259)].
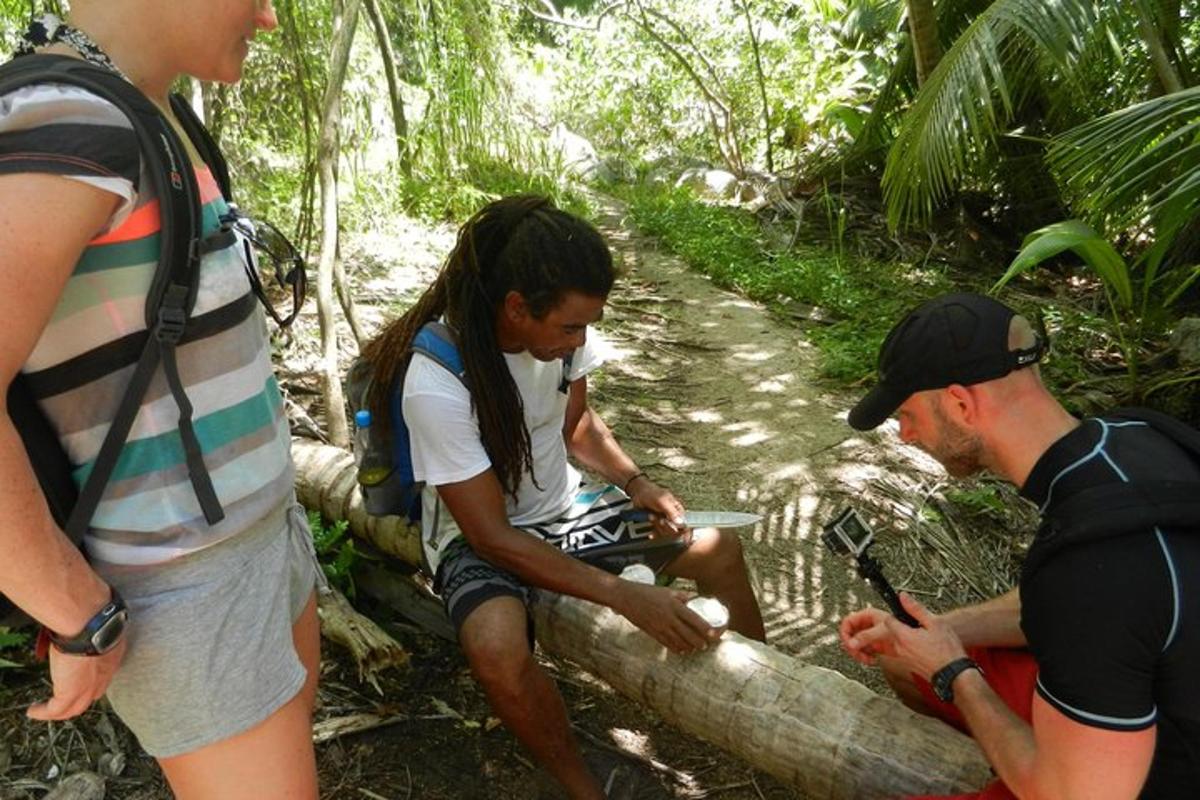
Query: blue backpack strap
[(437, 341)]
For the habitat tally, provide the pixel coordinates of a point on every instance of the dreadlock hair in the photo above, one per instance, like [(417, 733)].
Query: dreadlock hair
[(523, 244)]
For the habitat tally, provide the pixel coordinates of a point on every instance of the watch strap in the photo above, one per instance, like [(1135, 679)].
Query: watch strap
[(100, 633), (943, 680)]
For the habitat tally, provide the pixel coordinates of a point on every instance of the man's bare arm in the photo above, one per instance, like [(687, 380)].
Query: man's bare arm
[(992, 623), (1056, 757)]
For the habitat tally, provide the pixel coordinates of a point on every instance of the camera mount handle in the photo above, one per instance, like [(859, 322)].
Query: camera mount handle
[(869, 568)]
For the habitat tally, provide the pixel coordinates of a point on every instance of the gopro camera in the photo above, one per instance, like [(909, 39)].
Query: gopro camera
[(848, 534)]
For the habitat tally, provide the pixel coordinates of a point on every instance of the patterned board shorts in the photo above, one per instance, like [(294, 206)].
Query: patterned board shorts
[(591, 530)]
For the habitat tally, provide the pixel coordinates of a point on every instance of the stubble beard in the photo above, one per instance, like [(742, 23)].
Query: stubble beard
[(958, 450)]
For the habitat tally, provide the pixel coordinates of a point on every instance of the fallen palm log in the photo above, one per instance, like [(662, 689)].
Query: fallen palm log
[(811, 727), (325, 482)]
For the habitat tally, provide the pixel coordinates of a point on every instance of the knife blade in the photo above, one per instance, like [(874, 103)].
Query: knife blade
[(699, 519)]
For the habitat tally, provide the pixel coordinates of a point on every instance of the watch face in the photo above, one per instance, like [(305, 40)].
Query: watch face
[(110, 632), (942, 689)]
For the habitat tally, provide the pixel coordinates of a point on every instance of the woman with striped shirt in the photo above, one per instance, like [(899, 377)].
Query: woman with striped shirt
[(216, 669)]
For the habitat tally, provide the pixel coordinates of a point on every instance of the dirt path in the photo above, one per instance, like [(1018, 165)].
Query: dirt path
[(720, 401)]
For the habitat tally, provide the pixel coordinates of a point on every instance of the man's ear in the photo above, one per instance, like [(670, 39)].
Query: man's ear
[(961, 404), (515, 307)]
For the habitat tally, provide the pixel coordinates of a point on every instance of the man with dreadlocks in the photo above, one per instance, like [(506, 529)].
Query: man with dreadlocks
[(503, 509)]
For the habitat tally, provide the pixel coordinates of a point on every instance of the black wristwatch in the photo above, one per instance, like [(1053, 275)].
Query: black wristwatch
[(943, 680), (100, 634)]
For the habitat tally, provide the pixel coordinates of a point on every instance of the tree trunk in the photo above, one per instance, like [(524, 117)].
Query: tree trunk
[(762, 86), (811, 727), (326, 482), (379, 24), (302, 82), (927, 48), (346, 300), (1164, 68), (327, 156), (719, 111)]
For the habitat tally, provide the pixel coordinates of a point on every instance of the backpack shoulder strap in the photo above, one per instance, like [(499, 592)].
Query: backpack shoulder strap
[(173, 290), (204, 143), (565, 385), (1110, 510), (1182, 434), (437, 341)]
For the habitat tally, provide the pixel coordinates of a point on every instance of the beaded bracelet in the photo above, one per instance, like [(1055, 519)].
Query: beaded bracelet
[(632, 478)]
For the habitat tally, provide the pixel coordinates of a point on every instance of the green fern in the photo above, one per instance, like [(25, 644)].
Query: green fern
[(335, 551)]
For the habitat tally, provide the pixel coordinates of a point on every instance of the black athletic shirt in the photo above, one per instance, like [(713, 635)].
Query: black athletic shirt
[(1114, 624)]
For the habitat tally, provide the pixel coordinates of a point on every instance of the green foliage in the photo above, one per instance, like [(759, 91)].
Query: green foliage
[(1139, 169), (458, 196), (1134, 324), (865, 297), (622, 87), (335, 550), (11, 640), (956, 119), (983, 498), (1095, 250)]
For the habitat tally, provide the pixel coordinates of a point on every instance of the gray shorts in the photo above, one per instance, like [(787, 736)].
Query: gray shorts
[(210, 639), (591, 530)]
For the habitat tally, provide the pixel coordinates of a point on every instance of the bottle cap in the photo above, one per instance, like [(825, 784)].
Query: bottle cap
[(711, 609), (362, 418)]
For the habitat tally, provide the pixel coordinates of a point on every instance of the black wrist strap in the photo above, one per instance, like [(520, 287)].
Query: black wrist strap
[(83, 642), (943, 680)]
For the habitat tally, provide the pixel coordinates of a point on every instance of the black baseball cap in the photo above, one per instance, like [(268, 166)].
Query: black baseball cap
[(955, 338)]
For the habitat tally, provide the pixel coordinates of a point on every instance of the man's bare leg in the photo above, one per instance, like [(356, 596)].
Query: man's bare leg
[(523, 696), (715, 562)]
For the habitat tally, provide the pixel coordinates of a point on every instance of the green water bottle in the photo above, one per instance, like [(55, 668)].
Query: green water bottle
[(373, 466)]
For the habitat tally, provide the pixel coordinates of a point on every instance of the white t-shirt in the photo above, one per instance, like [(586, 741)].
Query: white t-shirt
[(444, 430)]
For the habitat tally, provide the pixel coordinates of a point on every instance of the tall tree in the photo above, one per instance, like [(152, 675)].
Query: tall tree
[(384, 39), (345, 23), (1156, 46), (923, 27)]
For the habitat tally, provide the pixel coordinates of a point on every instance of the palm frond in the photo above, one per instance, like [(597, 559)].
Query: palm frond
[(956, 113), (1141, 161)]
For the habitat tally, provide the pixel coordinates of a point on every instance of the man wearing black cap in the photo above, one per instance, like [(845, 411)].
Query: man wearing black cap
[(1085, 681)]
